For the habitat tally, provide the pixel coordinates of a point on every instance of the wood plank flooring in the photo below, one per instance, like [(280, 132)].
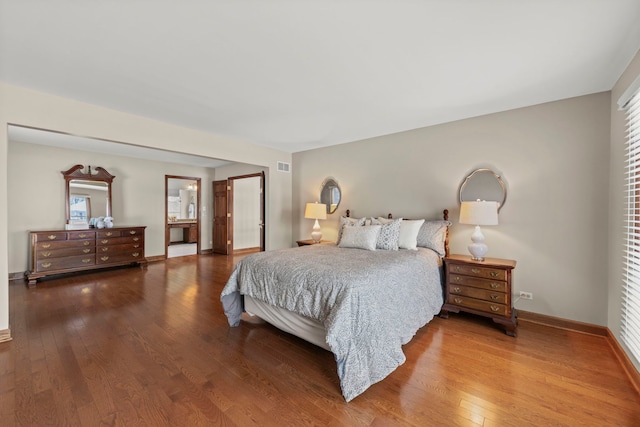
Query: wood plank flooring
[(135, 347)]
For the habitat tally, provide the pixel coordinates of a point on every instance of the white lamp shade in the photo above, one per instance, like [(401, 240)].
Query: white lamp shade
[(479, 213), (316, 211)]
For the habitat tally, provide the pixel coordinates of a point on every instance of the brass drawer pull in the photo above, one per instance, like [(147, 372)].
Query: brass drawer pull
[(456, 289), (135, 254), (52, 237), (495, 285), (108, 234), (104, 258), (86, 261), (136, 246), (86, 242), (475, 270), (46, 254), (135, 239), (457, 300), (132, 232), (82, 235), (86, 251), (456, 268), (105, 241), (46, 264), (46, 245), (495, 297), (494, 273), (494, 308), (105, 249), (457, 278)]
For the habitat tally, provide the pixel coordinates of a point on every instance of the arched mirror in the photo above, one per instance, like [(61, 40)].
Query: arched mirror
[(483, 184), (88, 194), (330, 194)]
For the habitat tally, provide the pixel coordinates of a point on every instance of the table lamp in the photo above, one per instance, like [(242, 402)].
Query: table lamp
[(478, 213), (316, 211)]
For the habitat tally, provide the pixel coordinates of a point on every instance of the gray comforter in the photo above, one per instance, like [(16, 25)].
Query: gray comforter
[(370, 302)]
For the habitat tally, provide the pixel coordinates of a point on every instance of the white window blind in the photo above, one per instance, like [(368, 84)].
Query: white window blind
[(630, 330)]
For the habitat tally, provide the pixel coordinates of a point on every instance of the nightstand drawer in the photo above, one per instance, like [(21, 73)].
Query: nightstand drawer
[(493, 308), (495, 297), (492, 285), (472, 270)]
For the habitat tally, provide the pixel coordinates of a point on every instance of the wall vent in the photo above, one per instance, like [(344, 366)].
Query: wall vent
[(284, 167)]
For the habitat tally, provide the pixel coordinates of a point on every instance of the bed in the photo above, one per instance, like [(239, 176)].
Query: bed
[(358, 299)]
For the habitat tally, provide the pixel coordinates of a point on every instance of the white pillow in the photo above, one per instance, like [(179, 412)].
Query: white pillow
[(364, 237), (349, 222), (409, 234), (433, 234)]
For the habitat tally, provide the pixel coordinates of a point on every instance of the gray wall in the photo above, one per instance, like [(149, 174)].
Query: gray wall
[(554, 159)]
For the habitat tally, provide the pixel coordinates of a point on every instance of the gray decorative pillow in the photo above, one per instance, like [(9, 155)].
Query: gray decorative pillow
[(432, 235), (389, 234), (364, 237), (349, 222)]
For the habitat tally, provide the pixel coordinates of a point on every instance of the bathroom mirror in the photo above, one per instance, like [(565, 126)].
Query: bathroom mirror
[(87, 194), (483, 184), (330, 194)]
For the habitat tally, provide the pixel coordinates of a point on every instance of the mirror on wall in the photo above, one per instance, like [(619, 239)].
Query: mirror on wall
[(330, 194), (87, 194), (483, 184)]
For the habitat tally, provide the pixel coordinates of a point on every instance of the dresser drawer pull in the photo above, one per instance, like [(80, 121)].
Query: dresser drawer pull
[(495, 285), (495, 297), (135, 239), (475, 270), (105, 241), (46, 245), (457, 278), (105, 249), (104, 258), (494, 273), (86, 242), (86, 261), (457, 300), (52, 237), (136, 246), (456, 268), (82, 235), (494, 308), (108, 234), (86, 251), (46, 254), (135, 254), (46, 264), (132, 232), (456, 289)]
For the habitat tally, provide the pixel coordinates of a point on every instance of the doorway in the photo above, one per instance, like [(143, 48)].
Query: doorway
[(239, 211), (182, 208)]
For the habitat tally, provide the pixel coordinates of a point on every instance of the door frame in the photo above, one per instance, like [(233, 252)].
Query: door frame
[(167, 230), (262, 224)]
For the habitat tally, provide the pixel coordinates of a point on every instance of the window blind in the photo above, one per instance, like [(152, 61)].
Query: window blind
[(630, 327)]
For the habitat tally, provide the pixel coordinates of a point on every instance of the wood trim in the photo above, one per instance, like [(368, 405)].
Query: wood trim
[(206, 252), (156, 258), (5, 335), (556, 322), (627, 365), (247, 250), (16, 276)]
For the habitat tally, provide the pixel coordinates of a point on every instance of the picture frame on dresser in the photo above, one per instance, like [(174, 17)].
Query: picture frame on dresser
[(482, 288)]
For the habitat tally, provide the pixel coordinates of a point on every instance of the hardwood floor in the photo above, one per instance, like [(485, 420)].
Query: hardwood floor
[(152, 347)]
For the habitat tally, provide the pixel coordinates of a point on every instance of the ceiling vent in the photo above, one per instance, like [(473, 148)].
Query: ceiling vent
[(284, 167)]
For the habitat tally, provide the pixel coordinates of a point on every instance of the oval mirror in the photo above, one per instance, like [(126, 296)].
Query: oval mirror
[(330, 194), (87, 194), (483, 184)]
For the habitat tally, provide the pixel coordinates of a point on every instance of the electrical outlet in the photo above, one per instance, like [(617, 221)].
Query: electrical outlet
[(526, 295)]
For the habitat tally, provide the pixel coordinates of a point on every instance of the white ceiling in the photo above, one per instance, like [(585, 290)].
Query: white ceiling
[(301, 74)]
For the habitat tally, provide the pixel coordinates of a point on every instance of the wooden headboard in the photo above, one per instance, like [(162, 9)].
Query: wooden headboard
[(445, 216)]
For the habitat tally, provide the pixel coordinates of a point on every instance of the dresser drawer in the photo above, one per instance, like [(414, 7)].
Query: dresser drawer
[(472, 270), (496, 297), (50, 236), (486, 306), (67, 262), (108, 233), (492, 285), (132, 256), (115, 249), (78, 235), (64, 244), (58, 253), (120, 240)]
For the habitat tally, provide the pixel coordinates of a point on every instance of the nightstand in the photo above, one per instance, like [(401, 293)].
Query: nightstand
[(480, 287), (311, 242)]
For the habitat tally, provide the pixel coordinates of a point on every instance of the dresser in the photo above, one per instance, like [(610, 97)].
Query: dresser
[(67, 251), (480, 287)]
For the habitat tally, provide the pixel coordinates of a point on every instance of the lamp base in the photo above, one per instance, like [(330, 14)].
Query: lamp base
[(477, 249), (316, 234)]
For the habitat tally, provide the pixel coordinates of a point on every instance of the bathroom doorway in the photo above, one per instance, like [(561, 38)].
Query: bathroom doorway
[(182, 207)]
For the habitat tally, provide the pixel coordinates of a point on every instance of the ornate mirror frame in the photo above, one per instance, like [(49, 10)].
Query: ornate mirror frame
[(483, 184), (76, 173), (330, 194)]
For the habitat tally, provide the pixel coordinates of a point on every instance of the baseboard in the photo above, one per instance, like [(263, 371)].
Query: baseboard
[(206, 252), (627, 365), (16, 276), (587, 328), (156, 258), (246, 250), (5, 335), (557, 322)]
